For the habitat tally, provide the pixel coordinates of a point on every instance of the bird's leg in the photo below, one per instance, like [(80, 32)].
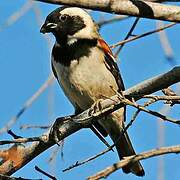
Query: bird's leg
[(55, 132), (96, 107)]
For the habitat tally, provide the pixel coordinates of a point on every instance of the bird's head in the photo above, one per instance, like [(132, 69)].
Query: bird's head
[(68, 24)]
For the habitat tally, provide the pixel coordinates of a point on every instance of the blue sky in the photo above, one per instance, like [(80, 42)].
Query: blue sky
[(25, 66)]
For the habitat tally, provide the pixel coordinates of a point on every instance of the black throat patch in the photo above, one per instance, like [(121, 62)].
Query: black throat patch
[(65, 54)]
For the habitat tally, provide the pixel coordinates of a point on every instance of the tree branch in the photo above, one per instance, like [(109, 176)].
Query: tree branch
[(17, 156), (132, 159), (137, 8)]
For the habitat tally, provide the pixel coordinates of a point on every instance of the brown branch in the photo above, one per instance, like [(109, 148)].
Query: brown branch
[(158, 98), (17, 156), (169, 99), (169, 92), (142, 108), (132, 159), (137, 8)]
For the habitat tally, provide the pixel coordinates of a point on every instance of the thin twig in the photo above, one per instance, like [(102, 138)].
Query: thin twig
[(166, 46), (127, 36), (23, 127), (27, 104), (39, 20), (112, 20), (23, 140), (5, 177), (169, 92), (79, 163), (54, 154), (157, 98), (45, 173), (142, 35), (13, 134), (154, 113), (17, 15)]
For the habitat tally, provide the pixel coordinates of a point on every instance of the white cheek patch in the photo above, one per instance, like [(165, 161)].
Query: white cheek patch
[(89, 32)]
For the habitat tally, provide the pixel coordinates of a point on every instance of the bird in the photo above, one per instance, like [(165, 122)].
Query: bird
[(87, 72)]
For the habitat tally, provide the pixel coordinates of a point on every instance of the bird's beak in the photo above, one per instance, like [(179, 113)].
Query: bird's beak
[(48, 27)]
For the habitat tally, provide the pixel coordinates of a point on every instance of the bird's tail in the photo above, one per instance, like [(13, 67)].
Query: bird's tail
[(125, 148), (114, 127)]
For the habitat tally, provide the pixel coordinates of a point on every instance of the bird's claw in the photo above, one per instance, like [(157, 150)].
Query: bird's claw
[(55, 133), (96, 107)]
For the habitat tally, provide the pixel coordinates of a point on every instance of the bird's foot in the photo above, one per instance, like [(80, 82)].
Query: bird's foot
[(95, 108), (55, 131)]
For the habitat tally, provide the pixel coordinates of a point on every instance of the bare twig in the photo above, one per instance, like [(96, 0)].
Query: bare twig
[(132, 159), (138, 8), (34, 127), (13, 134), (169, 92), (17, 15), (23, 140), (54, 154), (4, 177), (111, 20), (79, 163), (142, 35), (127, 36), (39, 20), (167, 98), (45, 173), (166, 44), (154, 113), (27, 104)]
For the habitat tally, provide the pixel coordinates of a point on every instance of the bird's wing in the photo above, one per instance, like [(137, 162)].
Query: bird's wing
[(111, 64)]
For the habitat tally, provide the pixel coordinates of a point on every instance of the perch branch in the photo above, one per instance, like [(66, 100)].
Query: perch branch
[(137, 8), (19, 155)]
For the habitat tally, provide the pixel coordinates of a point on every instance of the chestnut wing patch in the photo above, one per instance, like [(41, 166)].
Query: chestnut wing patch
[(111, 64)]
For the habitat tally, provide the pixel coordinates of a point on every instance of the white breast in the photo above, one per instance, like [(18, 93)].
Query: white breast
[(86, 80)]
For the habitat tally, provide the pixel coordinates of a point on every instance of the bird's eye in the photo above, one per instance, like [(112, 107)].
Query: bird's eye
[(63, 17)]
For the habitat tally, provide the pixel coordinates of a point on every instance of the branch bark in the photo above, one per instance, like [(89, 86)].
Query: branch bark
[(132, 159), (17, 156), (139, 8)]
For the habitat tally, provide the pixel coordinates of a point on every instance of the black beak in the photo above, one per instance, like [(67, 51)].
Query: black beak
[(48, 27)]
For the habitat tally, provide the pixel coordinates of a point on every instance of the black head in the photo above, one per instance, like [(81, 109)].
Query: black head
[(67, 23)]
